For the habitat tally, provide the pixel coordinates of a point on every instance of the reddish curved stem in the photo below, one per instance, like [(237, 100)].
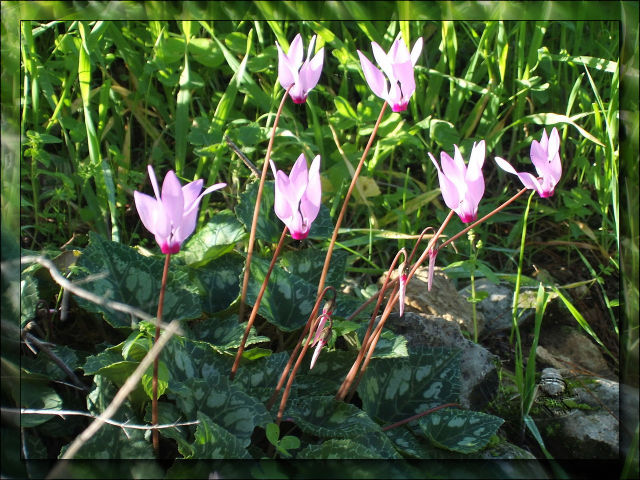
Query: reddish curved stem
[(155, 436), (256, 305)]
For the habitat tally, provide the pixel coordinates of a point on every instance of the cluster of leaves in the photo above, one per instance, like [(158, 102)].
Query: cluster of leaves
[(194, 367)]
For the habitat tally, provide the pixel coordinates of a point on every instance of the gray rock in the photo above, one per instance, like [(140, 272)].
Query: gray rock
[(570, 349), (443, 300), (496, 307), (479, 383), (589, 429), (581, 435)]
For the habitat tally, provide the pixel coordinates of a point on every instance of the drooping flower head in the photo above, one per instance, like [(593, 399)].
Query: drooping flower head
[(433, 253), (297, 196), (397, 66), (402, 289), (323, 332), (545, 156), (462, 186), (171, 216), (292, 71)]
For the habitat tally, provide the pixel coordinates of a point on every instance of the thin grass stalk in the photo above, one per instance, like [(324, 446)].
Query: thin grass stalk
[(327, 261), (365, 340), (154, 381), (514, 309), (287, 367), (256, 209), (256, 305)]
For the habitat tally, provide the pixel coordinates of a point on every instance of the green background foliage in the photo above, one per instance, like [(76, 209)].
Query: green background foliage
[(92, 92)]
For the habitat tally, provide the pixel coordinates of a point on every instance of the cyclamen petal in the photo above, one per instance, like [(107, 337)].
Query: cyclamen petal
[(545, 156), (172, 215), (297, 196), (462, 186), (292, 72), (398, 67), (373, 76)]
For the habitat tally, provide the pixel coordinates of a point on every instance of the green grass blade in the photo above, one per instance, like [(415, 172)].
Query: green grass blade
[(581, 320)]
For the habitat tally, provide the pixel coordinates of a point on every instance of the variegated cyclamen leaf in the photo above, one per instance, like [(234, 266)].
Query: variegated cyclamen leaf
[(223, 333), (323, 416), (190, 359), (378, 442), (225, 403), (462, 431), (412, 446), (213, 240), (122, 445), (260, 377), (114, 271), (308, 263), (327, 374), (213, 441), (269, 227), (338, 449), (218, 282), (168, 413), (288, 300), (390, 344), (393, 389)]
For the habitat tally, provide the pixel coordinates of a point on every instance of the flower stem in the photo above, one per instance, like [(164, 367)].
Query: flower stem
[(430, 245), (285, 395), (325, 268), (154, 381), (346, 384), (373, 340), (256, 210), (256, 305), (422, 414), (287, 367)]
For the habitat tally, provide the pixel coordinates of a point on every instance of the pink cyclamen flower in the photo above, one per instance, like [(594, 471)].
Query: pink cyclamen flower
[(297, 197), (545, 156), (462, 187), (397, 66), (172, 216), (292, 71)]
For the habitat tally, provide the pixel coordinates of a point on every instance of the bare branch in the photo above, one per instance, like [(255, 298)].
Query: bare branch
[(57, 360), (82, 293), (120, 397), (125, 425)]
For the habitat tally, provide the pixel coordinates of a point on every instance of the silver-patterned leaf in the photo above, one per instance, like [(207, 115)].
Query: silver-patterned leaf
[(116, 272), (462, 431), (393, 389)]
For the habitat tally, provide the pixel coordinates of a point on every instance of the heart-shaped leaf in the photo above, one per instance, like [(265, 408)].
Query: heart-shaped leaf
[(116, 272), (393, 389)]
